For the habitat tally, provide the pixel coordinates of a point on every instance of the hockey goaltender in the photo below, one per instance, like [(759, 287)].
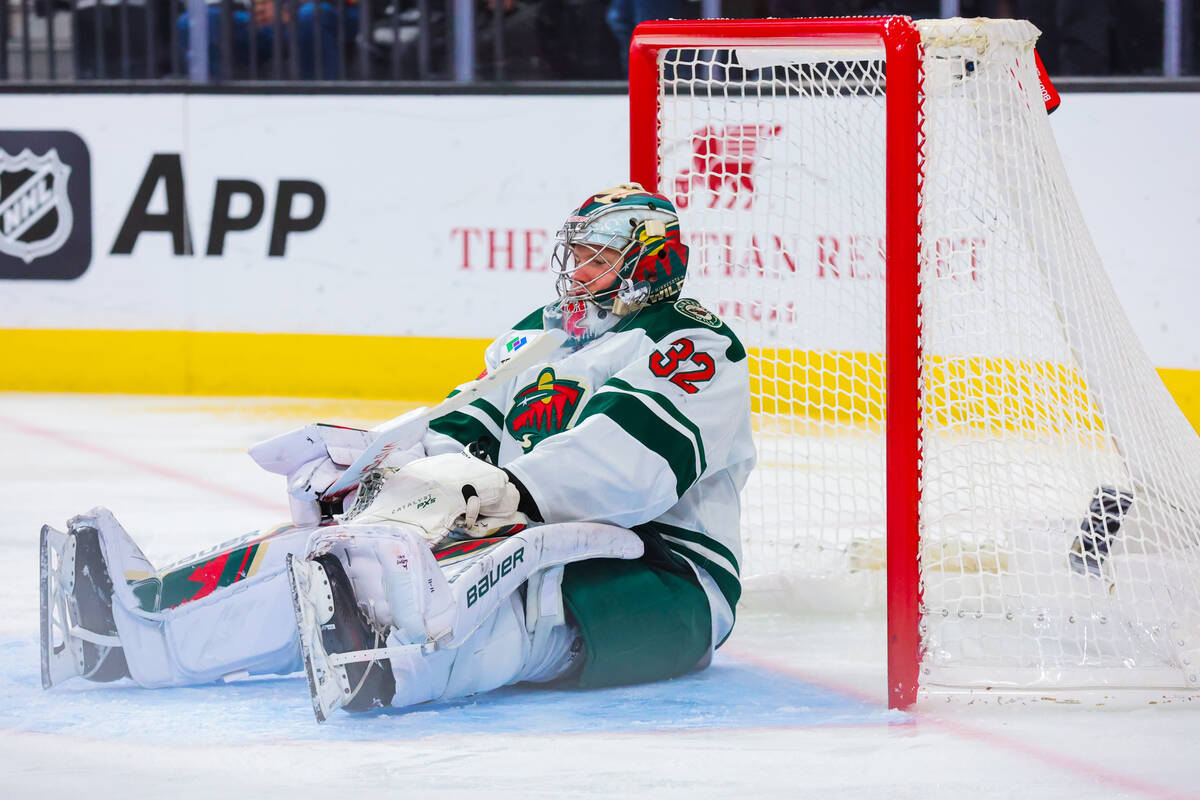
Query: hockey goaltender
[(569, 517)]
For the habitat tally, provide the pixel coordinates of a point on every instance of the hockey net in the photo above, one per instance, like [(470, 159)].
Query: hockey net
[(1058, 502)]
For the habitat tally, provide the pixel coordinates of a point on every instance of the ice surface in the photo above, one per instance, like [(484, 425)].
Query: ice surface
[(791, 707)]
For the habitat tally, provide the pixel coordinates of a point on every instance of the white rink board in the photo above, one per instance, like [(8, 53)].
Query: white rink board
[(425, 194), (1135, 167), (406, 181)]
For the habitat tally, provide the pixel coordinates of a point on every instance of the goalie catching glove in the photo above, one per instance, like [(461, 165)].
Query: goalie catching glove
[(450, 492), (315, 456)]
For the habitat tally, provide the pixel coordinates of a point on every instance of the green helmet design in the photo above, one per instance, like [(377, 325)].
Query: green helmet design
[(617, 253)]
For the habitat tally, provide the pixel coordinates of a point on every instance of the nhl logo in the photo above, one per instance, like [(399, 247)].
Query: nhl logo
[(45, 205), (35, 212)]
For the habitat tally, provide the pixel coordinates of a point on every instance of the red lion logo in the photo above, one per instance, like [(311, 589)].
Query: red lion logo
[(723, 158)]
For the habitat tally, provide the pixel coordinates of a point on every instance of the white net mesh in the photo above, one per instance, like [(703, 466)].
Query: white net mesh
[(775, 159), (1039, 404), (1060, 483)]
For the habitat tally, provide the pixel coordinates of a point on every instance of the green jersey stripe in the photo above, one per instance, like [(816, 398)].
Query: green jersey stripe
[(491, 411), (632, 414), (533, 321), (711, 555), (610, 388), (466, 429), (727, 582), (663, 529), (481, 416), (670, 408)]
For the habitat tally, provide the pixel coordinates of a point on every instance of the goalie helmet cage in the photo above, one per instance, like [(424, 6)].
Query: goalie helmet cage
[(878, 207)]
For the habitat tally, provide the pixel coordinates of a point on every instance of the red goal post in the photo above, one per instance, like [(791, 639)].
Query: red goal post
[(900, 41), (864, 192)]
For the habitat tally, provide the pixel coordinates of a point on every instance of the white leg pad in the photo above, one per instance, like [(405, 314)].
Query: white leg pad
[(491, 657), (500, 652), (429, 606), (485, 636), (248, 626)]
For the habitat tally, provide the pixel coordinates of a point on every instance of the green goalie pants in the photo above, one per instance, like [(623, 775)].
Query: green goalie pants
[(643, 620)]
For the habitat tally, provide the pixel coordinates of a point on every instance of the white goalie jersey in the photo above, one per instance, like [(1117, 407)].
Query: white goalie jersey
[(646, 427)]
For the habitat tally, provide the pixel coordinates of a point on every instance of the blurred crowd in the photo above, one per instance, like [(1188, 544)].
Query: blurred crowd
[(532, 39)]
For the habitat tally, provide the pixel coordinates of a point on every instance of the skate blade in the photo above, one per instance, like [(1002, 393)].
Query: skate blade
[(61, 658), (327, 684)]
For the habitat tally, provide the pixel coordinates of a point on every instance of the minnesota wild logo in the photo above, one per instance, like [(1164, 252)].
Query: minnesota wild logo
[(690, 308), (543, 408)]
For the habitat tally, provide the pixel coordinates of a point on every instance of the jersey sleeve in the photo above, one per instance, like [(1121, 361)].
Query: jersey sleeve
[(479, 422), (482, 420), (647, 435)]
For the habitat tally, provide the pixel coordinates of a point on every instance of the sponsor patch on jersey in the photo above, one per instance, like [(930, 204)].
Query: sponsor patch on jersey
[(543, 408), (692, 309)]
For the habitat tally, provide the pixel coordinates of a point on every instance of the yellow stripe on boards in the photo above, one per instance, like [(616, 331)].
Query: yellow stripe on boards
[(1000, 395), (247, 364), (796, 388), (846, 388), (803, 392), (1184, 386)]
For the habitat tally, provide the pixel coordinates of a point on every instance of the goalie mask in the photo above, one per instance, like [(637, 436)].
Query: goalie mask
[(617, 253)]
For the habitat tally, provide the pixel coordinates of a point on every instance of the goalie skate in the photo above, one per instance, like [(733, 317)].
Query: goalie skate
[(78, 635), (335, 640)]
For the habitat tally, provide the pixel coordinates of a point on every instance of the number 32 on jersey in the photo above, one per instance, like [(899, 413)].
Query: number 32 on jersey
[(682, 352)]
